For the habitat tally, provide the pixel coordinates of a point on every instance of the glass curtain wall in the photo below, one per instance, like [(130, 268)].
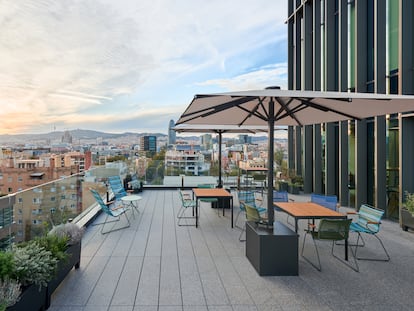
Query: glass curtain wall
[(392, 120)]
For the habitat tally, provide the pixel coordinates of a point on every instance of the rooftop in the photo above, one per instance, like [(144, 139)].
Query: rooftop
[(156, 265)]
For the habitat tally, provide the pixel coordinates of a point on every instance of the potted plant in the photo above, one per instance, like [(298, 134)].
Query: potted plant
[(72, 235), (33, 266), (407, 212)]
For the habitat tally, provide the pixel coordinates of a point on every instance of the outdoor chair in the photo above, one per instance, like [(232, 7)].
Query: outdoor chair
[(113, 212), (252, 214), (186, 203), (328, 201), (247, 197), (212, 201), (117, 187), (329, 230), (368, 221)]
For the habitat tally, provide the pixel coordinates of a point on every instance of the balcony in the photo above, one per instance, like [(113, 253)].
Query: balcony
[(157, 265)]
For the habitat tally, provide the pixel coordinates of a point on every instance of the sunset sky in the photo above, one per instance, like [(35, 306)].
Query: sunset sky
[(130, 65)]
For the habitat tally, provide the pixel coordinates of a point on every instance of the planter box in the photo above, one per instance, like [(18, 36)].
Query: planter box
[(283, 186), (63, 268), (272, 251), (294, 189), (407, 220), (31, 299)]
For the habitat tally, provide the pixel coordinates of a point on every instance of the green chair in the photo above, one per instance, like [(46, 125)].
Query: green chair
[(252, 214), (329, 230), (213, 201)]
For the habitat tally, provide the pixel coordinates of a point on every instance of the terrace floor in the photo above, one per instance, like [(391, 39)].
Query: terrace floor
[(156, 265)]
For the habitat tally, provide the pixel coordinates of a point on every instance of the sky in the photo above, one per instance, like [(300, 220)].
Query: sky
[(131, 65)]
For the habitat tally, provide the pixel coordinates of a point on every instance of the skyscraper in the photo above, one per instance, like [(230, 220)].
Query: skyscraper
[(171, 133), (148, 143)]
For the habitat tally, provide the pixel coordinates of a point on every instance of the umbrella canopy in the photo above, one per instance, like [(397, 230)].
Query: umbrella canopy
[(219, 129), (286, 107), (251, 108)]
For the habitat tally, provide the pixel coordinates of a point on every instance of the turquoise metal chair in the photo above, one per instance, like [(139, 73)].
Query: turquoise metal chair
[(117, 187), (329, 230), (186, 203), (115, 212), (368, 222)]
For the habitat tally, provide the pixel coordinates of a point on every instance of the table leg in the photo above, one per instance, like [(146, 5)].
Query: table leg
[(196, 213), (231, 202), (346, 249), (296, 225)]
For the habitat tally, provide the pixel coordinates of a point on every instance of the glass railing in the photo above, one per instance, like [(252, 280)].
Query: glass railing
[(34, 211)]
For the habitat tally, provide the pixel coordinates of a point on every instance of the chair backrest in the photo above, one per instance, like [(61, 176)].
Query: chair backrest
[(333, 229), (280, 196), (101, 202), (329, 201), (117, 187), (186, 200), (367, 214), (252, 214), (208, 186), (246, 197)]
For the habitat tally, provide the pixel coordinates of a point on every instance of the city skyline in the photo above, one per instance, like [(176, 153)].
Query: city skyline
[(128, 66)]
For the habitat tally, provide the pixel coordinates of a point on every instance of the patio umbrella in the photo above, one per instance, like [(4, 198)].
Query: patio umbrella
[(287, 107), (219, 129)]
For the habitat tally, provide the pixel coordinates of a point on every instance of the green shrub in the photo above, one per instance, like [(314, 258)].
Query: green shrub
[(57, 245), (409, 202), (34, 264), (7, 265)]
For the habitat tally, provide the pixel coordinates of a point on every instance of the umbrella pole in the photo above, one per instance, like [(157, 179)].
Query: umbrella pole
[(270, 156), (220, 183)]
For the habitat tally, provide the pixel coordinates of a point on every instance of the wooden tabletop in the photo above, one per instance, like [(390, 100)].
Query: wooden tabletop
[(307, 210), (211, 192)]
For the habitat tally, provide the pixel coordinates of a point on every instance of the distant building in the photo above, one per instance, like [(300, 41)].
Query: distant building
[(185, 162), (67, 137), (206, 141), (148, 143), (244, 139), (172, 137)]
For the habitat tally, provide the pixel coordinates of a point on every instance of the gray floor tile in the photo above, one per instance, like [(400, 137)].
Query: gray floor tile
[(157, 265)]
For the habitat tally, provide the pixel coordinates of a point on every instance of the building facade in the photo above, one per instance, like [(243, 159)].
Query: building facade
[(354, 46), (148, 143), (172, 136)]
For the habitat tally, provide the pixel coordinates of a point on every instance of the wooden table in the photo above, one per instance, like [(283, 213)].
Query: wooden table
[(310, 210), (208, 193)]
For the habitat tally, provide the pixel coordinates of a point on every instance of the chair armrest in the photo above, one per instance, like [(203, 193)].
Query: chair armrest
[(117, 207)]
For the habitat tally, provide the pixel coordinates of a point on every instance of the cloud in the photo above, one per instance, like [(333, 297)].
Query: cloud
[(269, 75), (78, 62)]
